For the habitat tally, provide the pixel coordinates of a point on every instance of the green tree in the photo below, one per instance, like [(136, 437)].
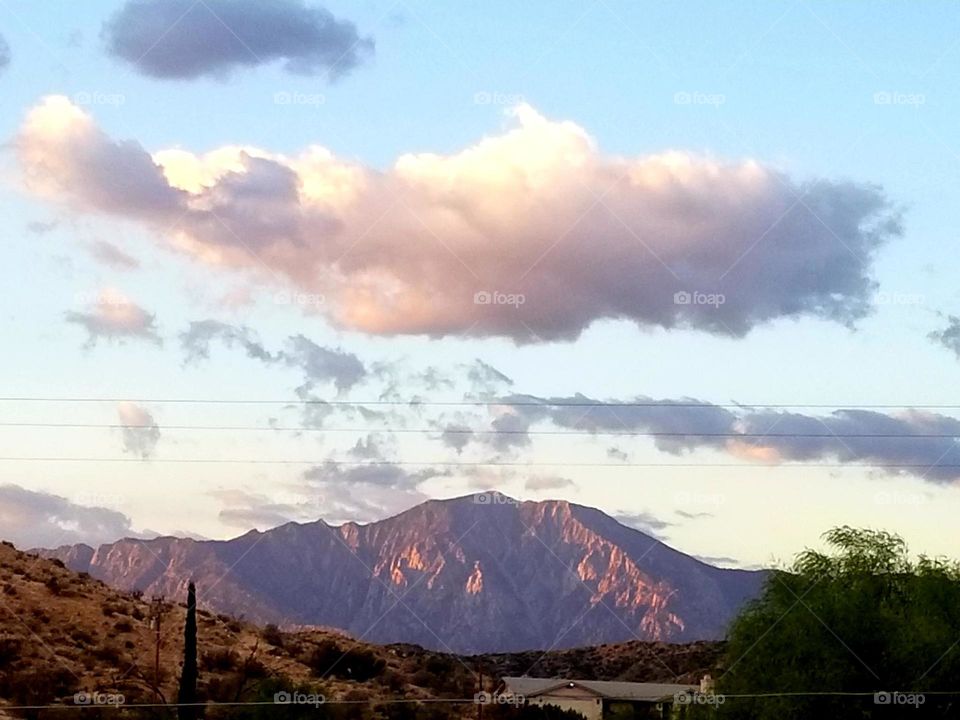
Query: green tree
[(863, 619), (188, 675)]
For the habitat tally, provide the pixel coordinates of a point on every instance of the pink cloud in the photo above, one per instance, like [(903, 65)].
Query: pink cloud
[(532, 233)]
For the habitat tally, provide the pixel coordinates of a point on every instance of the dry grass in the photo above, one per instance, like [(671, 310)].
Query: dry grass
[(62, 632)]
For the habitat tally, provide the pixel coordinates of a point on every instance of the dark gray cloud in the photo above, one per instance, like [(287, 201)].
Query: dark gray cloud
[(196, 340), (949, 337), (247, 510), (510, 431), (539, 483), (371, 447), (616, 453), (926, 442), (644, 522), (385, 475), (693, 515), (4, 54), (140, 431), (367, 492), (186, 39), (456, 437), (485, 379), (33, 519), (112, 256), (318, 364)]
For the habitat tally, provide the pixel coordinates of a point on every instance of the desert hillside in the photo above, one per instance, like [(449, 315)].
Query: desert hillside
[(63, 633)]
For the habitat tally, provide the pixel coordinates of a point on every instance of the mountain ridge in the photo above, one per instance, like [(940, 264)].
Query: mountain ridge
[(476, 573)]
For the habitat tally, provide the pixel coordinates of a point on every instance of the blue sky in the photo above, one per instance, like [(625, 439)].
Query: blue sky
[(805, 91)]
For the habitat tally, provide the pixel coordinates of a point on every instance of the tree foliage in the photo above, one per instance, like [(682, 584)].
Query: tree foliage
[(864, 618), (188, 676)]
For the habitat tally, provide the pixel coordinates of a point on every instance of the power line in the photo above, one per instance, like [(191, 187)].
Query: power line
[(471, 431), (478, 463), (414, 402)]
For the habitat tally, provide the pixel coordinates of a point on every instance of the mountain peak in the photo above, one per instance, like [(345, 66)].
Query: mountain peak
[(476, 573)]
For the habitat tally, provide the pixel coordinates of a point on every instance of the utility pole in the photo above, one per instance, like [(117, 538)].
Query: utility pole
[(480, 694), (157, 610)]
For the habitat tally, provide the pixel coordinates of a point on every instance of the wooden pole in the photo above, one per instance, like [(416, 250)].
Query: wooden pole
[(480, 681), (157, 617)]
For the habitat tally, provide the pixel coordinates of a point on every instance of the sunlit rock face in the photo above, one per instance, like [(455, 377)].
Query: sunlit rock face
[(465, 575)]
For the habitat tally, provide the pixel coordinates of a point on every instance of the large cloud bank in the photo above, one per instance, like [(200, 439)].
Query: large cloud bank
[(531, 234), (912, 442)]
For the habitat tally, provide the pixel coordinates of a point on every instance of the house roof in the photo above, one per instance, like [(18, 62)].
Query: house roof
[(607, 689)]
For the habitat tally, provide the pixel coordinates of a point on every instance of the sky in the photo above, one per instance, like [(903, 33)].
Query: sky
[(691, 264)]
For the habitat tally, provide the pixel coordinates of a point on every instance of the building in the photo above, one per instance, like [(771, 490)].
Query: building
[(599, 699)]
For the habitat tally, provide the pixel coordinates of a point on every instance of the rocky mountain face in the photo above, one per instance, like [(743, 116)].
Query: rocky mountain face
[(460, 575)]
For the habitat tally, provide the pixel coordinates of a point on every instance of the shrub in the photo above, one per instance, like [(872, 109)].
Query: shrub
[(271, 634), (109, 653), (354, 664), (81, 636), (38, 685), (10, 649), (220, 660)]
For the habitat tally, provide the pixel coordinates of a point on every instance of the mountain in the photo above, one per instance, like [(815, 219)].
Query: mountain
[(481, 573), (63, 633)]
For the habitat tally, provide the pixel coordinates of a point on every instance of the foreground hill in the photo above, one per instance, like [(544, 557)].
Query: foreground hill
[(63, 632), (460, 575)]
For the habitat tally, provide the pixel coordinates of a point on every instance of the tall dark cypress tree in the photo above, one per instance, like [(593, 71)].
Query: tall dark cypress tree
[(188, 676)]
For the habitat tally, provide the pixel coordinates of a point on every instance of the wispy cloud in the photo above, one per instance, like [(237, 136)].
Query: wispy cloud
[(114, 316)]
